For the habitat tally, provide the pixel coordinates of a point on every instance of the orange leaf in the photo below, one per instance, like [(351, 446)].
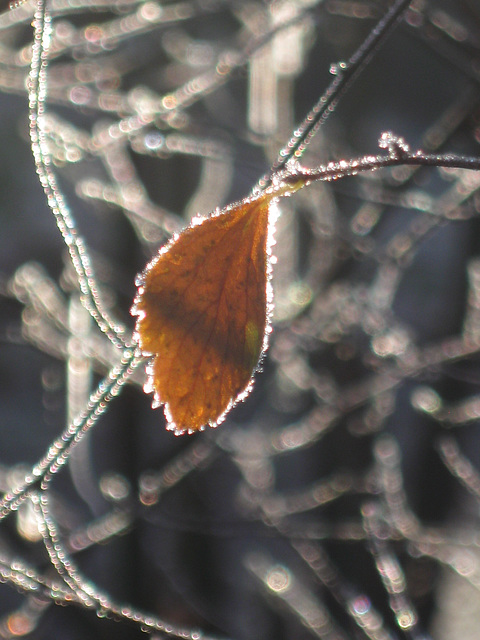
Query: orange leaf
[(203, 312)]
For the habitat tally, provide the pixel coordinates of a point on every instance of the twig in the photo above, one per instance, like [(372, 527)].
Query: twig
[(346, 74), (65, 221)]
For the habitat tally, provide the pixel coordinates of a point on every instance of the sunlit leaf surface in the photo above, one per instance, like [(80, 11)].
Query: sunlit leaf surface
[(203, 306)]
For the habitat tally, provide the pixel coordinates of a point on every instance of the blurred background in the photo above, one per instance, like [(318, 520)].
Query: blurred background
[(341, 499)]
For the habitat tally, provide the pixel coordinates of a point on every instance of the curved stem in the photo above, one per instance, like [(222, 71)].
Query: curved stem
[(65, 221), (87, 592)]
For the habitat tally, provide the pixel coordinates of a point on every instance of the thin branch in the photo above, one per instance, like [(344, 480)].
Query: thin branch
[(65, 221), (86, 591), (59, 451), (398, 154), (345, 74)]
